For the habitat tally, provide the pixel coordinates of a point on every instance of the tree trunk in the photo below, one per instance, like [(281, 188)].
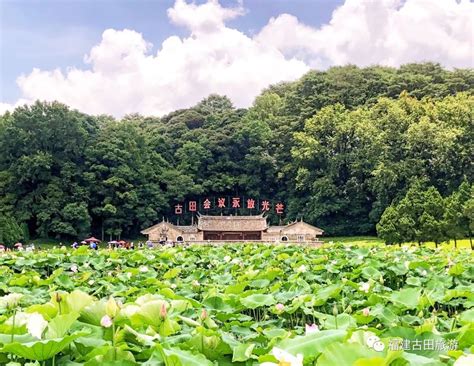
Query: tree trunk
[(455, 243), (436, 244), (470, 240)]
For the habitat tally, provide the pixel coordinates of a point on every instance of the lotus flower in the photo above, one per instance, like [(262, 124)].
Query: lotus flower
[(284, 358), (106, 321), (366, 311), (11, 300), (74, 268), (364, 286), (309, 329), (143, 269), (301, 269), (280, 307), (36, 325), (227, 258)]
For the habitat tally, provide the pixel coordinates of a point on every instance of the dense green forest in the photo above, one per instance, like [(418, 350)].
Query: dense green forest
[(339, 147)]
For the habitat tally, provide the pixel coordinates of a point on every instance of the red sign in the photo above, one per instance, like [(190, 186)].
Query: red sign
[(251, 203), (265, 206), (228, 204), (279, 207), (236, 202)]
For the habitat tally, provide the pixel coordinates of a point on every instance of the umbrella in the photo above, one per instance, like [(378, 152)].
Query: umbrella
[(122, 242), (18, 245), (2, 246), (113, 242), (83, 242), (92, 239)]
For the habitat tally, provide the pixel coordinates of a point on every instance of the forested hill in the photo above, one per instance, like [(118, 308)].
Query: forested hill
[(338, 147)]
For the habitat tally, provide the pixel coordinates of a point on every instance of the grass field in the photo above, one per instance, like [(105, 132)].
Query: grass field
[(373, 240)]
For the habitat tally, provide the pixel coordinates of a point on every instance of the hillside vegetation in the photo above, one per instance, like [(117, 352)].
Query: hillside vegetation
[(337, 147)]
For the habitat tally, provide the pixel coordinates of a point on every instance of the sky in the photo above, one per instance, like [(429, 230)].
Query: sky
[(152, 57)]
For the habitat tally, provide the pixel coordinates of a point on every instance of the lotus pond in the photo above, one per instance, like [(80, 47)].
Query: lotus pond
[(238, 305)]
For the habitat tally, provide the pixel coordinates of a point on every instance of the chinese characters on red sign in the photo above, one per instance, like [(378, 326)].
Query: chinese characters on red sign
[(229, 203)]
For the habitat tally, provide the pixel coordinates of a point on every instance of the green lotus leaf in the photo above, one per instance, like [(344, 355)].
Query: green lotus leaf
[(242, 352), (60, 325), (371, 272), (350, 354), (407, 297), (257, 300), (312, 344), (40, 350), (178, 357)]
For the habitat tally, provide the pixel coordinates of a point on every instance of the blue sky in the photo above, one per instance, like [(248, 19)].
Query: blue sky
[(96, 55), (49, 34)]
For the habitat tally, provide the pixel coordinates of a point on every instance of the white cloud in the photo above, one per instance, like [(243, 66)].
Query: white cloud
[(388, 32), (125, 76)]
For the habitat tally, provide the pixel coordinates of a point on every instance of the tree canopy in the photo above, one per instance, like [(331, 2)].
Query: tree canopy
[(342, 148)]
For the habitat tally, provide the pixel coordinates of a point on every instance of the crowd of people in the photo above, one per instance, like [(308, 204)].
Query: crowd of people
[(93, 245)]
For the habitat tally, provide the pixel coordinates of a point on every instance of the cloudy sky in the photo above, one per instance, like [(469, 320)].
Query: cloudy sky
[(152, 57)]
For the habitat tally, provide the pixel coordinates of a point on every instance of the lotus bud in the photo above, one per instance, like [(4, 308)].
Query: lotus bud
[(348, 310), (279, 307), (381, 280), (163, 311), (366, 311), (420, 314), (203, 314), (58, 297), (111, 308), (334, 310)]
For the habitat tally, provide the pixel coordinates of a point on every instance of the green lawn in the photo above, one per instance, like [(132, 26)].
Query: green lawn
[(373, 240)]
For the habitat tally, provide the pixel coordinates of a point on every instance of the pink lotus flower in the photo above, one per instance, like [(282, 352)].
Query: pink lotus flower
[(163, 311), (106, 321), (366, 311), (309, 329), (280, 307), (203, 314), (74, 268)]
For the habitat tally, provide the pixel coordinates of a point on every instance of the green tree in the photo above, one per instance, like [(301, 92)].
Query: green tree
[(388, 227), (42, 152), (10, 231), (457, 223), (431, 222)]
